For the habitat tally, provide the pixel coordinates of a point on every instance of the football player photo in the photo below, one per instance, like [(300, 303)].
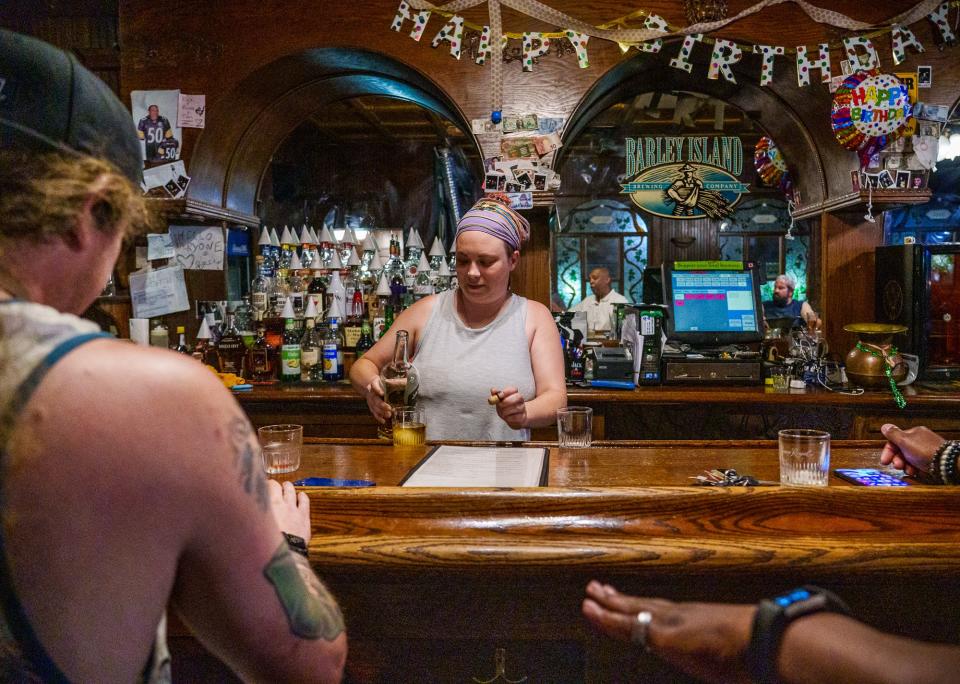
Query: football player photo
[(152, 112)]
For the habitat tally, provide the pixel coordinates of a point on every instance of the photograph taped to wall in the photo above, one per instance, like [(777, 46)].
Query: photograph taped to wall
[(855, 180), (155, 116)]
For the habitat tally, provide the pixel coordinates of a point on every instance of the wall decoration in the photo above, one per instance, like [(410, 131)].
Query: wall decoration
[(491, 43), (869, 111), (772, 167), (684, 177), (152, 111)]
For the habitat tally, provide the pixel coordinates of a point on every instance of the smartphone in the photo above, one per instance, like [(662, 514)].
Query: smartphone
[(870, 477), (332, 482)]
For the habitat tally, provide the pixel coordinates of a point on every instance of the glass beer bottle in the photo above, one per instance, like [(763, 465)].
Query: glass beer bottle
[(400, 381)]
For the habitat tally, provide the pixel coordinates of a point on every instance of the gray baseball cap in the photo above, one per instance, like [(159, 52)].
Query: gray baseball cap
[(49, 101)]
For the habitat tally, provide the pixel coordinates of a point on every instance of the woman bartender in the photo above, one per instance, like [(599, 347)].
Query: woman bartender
[(478, 342)]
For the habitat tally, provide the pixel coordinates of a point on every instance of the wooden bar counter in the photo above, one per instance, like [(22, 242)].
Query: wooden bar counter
[(659, 412), (442, 584)]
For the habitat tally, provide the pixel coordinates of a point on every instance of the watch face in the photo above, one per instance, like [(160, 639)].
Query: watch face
[(793, 597)]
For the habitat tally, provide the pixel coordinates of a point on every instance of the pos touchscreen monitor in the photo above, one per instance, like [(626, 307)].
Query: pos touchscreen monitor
[(713, 303)]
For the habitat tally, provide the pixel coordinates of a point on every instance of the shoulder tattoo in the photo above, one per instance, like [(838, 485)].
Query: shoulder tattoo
[(246, 460), (311, 609)]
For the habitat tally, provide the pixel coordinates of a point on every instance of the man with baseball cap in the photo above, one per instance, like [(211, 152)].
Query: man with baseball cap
[(130, 480)]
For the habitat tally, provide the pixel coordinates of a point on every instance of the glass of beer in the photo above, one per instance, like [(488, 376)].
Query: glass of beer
[(409, 427)]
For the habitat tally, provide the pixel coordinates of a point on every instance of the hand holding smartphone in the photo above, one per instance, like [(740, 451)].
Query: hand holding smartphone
[(870, 477)]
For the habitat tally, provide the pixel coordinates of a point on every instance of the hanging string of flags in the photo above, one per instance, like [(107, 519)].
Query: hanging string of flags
[(860, 50)]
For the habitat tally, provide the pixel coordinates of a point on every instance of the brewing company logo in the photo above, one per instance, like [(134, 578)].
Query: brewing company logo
[(685, 177)]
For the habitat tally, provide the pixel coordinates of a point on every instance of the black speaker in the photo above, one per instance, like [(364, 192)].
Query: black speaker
[(899, 273)]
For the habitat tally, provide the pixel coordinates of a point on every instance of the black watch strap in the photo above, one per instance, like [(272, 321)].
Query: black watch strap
[(771, 621), (298, 544)]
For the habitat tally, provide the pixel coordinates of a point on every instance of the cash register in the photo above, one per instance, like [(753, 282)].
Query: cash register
[(715, 324)]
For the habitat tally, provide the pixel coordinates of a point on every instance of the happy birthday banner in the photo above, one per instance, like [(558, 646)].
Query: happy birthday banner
[(860, 50)]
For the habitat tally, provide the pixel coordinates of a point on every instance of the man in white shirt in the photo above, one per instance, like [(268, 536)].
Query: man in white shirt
[(599, 305)]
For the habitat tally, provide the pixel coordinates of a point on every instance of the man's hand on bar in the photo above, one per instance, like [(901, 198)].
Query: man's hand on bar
[(706, 640), (909, 450), (290, 509)]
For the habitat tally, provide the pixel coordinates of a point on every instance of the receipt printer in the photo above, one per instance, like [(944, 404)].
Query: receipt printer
[(612, 363)]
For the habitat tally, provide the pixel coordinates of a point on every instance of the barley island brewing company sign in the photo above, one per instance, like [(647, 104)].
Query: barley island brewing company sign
[(685, 177)]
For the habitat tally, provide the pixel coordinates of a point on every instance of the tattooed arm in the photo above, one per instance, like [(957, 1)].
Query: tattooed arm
[(253, 602)]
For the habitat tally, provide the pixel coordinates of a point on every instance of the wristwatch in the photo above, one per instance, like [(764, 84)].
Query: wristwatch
[(771, 621), (298, 544)]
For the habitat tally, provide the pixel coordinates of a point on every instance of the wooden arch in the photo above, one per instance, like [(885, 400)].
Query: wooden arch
[(796, 118), (245, 127)]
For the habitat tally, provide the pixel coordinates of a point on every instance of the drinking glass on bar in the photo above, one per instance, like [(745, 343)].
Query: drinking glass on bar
[(574, 427), (409, 427), (804, 457), (281, 446)]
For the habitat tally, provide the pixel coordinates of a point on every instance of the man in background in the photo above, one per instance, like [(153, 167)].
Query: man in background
[(599, 306), (785, 306), (130, 479)]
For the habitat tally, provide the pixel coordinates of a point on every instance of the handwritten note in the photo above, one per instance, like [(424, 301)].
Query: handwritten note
[(198, 248), (159, 246), (158, 292), (192, 112)]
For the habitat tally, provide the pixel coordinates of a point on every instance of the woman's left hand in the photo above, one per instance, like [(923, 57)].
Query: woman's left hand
[(511, 408)]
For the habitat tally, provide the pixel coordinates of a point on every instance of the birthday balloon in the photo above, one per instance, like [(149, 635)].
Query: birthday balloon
[(771, 166), (870, 110)]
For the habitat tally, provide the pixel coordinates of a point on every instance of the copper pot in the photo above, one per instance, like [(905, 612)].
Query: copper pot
[(867, 369)]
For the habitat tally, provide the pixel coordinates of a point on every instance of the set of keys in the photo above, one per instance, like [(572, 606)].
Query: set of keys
[(728, 477)]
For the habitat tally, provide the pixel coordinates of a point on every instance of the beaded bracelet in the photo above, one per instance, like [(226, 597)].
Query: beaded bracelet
[(948, 463), (943, 465)]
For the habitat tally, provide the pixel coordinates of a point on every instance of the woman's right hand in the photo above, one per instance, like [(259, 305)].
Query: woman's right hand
[(910, 450), (374, 395)]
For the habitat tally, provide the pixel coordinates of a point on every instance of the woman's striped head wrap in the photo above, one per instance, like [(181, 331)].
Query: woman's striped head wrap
[(495, 218)]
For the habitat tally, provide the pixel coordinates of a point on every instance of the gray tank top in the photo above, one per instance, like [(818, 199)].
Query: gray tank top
[(33, 338), (459, 365)]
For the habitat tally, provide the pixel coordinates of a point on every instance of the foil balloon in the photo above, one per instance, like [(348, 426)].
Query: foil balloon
[(870, 110), (771, 166)]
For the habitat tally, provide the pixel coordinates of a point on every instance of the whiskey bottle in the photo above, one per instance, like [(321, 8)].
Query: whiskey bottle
[(259, 367), (231, 348)]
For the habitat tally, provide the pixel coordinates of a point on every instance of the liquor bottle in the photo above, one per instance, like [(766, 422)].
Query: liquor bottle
[(311, 347), (290, 351), (204, 351), (243, 319), (261, 288), (296, 287), (306, 247), (354, 322), (335, 290), (317, 289), (400, 381), (366, 338), (331, 352), (387, 318), (423, 285), (577, 364), (231, 348), (182, 343), (259, 367)]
